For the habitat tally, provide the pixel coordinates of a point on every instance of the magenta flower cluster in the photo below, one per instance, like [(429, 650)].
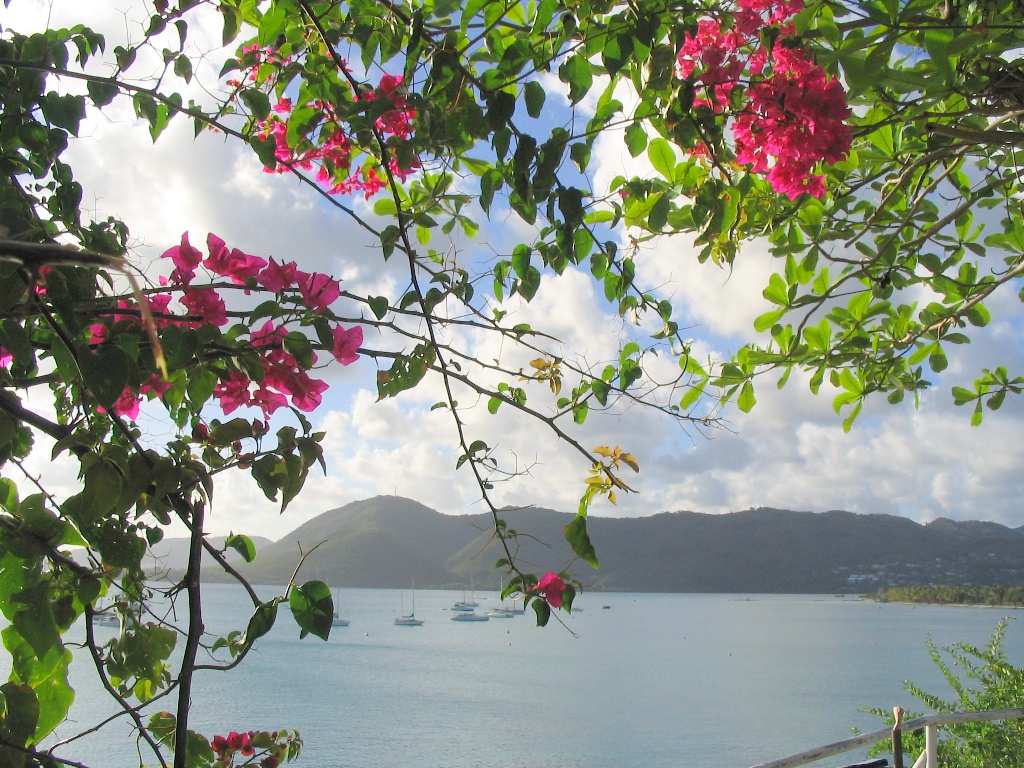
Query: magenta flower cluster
[(791, 114), (330, 150), (551, 587), (235, 744), (285, 380)]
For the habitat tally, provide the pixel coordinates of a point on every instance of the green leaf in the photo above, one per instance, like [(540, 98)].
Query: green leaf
[(936, 41), (579, 413), (183, 68), (746, 401), (501, 106), (35, 622), (379, 305), (101, 92), (256, 101), (521, 260), (535, 97), (693, 394), (230, 431), (962, 396), (63, 111), (386, 206), (777, 292), (265, 149), (578, 538), (9, 495), (262, 620), (313, 608), (978, 415), (663, 158), (232, 22), (104, 371), (470, 10), (243, 545), (200, 386), (636, 139), (543, 611), (20, 718), (54, 694), (577, 73), (768, 320), (529, 283), (299, 346)]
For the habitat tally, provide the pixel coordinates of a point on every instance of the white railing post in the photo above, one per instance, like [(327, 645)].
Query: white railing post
[(931, 746)]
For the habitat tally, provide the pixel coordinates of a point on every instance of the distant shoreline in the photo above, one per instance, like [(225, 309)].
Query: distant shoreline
[(954, 596), (946, 605)]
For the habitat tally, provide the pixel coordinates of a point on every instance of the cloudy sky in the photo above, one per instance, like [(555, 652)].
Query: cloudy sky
[(790, 452)]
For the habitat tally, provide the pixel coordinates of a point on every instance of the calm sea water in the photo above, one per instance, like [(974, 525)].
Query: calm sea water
[(654, 681)]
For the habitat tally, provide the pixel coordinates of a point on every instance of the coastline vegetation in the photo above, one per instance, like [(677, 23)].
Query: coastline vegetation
[(981, 679), (949, 594)]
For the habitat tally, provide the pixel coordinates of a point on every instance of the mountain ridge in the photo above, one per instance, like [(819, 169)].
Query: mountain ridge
[(393, 542)]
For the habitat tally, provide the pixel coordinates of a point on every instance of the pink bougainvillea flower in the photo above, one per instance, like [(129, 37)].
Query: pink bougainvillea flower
[(306, 392), (239, 742), (372, 183), (346, 343), (216, 247), (268, 334), (795, 119), (551, 587), (159, 304), (318, 290), (234, 264), (207, 305), (389, 84), (790, 115), (126, 405), (232, 393), (185, 259), (132, 316), (6, 358), (268, 400), (97, 333), (276, 277), (155, 385), (219, 744), (309, 397), (403, 173)]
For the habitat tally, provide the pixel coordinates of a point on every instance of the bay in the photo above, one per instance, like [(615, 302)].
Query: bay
[(654, 680)]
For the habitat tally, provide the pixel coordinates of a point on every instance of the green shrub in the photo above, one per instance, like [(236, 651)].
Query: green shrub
[(981, 679)]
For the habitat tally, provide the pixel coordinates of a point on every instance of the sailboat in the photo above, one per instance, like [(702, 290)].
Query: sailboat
[(464, 604), (502, 611), (409, 620), (106, 616), (470, 616), (336, 620)]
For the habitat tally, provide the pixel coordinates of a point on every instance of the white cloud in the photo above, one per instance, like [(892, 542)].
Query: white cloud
[(790, 452)]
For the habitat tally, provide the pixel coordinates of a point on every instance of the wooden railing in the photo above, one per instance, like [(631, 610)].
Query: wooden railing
[(930, 723)]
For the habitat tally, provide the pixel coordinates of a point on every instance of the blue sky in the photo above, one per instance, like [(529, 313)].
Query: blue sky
[(789, 453)]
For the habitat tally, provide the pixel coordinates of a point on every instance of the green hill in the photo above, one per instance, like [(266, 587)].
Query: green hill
[(389, 541)]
